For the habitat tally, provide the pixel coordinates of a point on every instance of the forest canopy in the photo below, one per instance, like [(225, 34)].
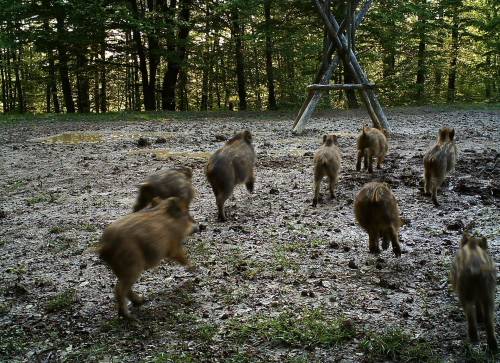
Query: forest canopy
[(178, 55)]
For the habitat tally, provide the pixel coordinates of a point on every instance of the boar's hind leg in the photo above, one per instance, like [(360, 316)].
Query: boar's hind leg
[(135, 298), (358, 163), (373, 241), (122, 291), (332, 178), (427, 181), (220, 199), (470, 313), (250, 183), (434, 195), (488, 310), (396, 248), (318, 176), (380, 160)]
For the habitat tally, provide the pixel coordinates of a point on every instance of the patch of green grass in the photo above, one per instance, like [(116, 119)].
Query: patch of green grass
[(396, 345), (175, 357), (89, 227), (284, 262), (41, 198), (61, 301), (477, 354), (4, 309), (13, 340), (60, 243), (206, 332), (309, 328), (92, 353), (2, 242), (19, 270), (56, 230), (16, 184)]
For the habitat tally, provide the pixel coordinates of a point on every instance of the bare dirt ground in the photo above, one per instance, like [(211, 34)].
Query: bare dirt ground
[(280, 281)]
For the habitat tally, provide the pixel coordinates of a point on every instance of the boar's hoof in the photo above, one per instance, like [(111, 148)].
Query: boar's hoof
[(375, 249)]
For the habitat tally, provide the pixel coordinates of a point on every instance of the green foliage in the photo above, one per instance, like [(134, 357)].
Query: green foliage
[(309, 328), (396, 345), (61, 301), (98, 39)]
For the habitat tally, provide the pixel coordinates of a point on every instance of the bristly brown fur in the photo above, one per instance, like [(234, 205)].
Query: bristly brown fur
[(371, 143), (326, 163), (141, 240), (473, 277), (439, 161), (229, 166), (169, 183), (377, 212)]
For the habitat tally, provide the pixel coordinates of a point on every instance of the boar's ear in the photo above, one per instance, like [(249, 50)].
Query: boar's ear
[(174, 208), (483, 243), (365, 128), (247, 136), (451, 133), (465, 239), (335, 139), (188, 172), (155, 201), (442, 133)]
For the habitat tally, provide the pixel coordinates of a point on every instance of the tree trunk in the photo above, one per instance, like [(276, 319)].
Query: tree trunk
[(452, 75), (237, 33), (4, 83), (148, 90), (82, 81), (174, 64), (63, 65), (21, 105), (53, 83), (271, 96), (103, 91), (388, 63)]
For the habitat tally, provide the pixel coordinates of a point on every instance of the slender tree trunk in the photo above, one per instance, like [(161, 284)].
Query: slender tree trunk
[(148, 90), (53, 82), (206, 63), (63, 65), (175, 64), (452, 75), (271, 96), (388, 63), (237, 33), (103, 91), (19, 88), (82, 81), (421, 68), (183, 81), (3, 77)]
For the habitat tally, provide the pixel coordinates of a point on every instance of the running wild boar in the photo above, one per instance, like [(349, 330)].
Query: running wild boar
[(229, 166), (371, 143), (439, 161), (140, 241), (377, 212), (473, 277), (326, 163)]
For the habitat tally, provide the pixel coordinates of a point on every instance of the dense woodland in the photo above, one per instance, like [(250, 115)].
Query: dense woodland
[(113, 55)]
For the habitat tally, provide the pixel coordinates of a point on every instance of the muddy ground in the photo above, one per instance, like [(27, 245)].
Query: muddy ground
[(280, 281)]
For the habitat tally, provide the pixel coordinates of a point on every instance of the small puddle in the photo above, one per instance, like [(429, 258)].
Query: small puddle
[(95, 137), (165, 154), (72, 138)]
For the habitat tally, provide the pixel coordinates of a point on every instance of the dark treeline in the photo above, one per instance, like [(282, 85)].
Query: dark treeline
[(109, 55)]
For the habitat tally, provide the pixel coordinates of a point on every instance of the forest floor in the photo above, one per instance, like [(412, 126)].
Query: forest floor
[(280, 281)]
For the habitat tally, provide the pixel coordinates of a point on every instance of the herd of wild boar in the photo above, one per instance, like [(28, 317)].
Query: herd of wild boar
[(161, 219)]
